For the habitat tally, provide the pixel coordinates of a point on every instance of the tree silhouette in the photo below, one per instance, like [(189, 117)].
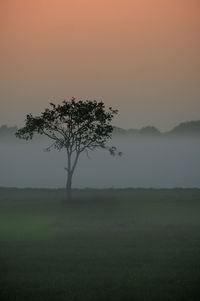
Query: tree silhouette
[(76, 126)]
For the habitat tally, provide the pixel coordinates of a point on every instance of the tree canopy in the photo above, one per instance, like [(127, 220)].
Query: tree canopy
[(77, 126)]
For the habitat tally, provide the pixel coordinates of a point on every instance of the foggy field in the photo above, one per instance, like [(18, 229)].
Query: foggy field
[(119, 245), (150, 162)]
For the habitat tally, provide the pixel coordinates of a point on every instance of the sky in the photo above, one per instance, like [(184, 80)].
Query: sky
[(139, 56)]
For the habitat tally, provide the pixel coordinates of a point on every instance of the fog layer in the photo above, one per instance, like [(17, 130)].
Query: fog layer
[(156, 163)]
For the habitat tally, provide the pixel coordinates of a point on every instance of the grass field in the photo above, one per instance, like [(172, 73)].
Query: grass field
[(104, 245)]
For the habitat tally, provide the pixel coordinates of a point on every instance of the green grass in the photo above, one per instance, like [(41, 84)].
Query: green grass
[(104, 245)]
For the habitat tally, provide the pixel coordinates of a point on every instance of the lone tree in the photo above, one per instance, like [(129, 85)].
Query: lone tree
[(76, 126)]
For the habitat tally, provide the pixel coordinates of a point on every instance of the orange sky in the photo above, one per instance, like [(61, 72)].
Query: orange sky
[(140, 56)]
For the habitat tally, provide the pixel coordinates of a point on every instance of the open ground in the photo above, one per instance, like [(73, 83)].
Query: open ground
[(130, 244)]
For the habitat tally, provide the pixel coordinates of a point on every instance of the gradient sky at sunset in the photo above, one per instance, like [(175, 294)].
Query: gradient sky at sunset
[(140, 56)]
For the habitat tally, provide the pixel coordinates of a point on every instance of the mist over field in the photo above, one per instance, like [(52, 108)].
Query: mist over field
[(146, 162)]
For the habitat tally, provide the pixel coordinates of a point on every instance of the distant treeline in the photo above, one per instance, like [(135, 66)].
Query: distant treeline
[(185, 129), (7, 132)]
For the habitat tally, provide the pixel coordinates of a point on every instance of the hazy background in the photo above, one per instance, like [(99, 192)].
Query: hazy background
[(148, 162), (139, 56)]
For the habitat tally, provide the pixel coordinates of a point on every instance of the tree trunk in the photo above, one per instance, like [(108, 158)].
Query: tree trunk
[(69, 185), (70, 170)]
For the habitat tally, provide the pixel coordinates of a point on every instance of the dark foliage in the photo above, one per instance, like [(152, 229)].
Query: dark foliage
[(77, 126)]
